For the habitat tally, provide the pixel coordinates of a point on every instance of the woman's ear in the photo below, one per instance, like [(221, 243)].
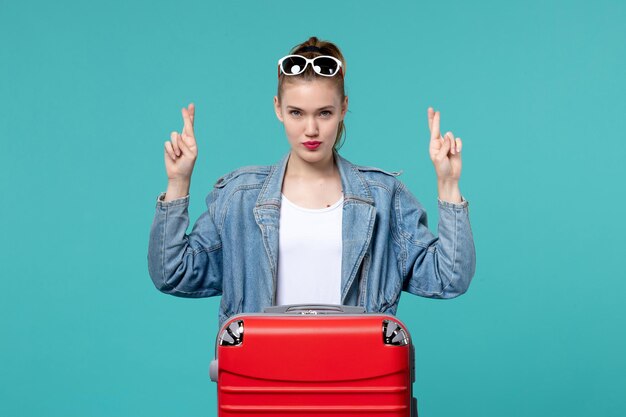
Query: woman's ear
[(344, 107), (277, 109)]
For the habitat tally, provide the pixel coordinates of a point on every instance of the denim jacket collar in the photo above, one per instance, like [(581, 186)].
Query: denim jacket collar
[(359, 214)]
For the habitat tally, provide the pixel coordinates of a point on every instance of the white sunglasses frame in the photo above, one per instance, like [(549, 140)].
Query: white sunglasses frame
[(310, 61)]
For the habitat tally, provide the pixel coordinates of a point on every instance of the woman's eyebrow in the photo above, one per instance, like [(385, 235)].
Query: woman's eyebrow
[(321, 108)]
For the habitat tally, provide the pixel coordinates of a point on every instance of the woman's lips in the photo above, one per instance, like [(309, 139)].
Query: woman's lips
[(312, 144)]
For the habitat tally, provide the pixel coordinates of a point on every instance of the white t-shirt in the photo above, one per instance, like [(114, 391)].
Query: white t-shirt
[(309, 254)]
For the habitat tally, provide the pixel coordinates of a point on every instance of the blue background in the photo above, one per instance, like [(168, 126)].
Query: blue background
[(89, 91)]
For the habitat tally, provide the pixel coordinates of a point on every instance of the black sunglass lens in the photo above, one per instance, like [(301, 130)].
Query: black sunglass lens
[(293, 65), (325, 66)]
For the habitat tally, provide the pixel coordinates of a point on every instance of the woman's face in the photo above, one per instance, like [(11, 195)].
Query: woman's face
[(311, 112)]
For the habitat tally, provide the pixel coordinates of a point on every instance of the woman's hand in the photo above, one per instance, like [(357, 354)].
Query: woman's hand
[(181, 150), (445, 152)]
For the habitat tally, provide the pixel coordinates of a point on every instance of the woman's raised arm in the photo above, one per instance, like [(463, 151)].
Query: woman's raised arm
[(181, 264)]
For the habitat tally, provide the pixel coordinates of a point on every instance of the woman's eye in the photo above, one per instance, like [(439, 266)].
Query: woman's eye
[(326, 113), (294, 113)]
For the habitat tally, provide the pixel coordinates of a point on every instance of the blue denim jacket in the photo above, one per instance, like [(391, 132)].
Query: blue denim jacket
[(232, 249)]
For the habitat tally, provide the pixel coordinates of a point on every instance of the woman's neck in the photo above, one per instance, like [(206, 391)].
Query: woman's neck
[(297, 167), (312, 185)]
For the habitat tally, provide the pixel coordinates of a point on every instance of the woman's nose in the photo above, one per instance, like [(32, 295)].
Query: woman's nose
[(311, 127)]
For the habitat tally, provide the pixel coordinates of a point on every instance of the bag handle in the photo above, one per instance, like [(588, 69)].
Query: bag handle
[(314, 309)]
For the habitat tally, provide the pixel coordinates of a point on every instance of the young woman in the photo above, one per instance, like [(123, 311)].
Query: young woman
[(313, 228)]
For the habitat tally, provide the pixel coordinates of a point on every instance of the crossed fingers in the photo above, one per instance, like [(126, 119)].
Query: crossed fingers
[(180, 143), (446, 140)]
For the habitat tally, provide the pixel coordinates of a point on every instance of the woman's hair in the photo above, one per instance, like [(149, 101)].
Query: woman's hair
[(327, 48)]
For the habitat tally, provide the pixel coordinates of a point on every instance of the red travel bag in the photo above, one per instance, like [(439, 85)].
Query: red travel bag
[(321, 360)]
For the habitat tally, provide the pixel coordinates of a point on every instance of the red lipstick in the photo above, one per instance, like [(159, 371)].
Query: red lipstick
[(312, 144)]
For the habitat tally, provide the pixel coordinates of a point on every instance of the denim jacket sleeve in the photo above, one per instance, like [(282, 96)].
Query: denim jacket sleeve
[(180, 264), (435, 267)]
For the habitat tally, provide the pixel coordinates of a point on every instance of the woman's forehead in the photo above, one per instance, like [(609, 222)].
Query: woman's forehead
[(310, 95)]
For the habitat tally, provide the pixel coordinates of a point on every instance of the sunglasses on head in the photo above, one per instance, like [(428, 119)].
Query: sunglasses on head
[(324, 65)]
